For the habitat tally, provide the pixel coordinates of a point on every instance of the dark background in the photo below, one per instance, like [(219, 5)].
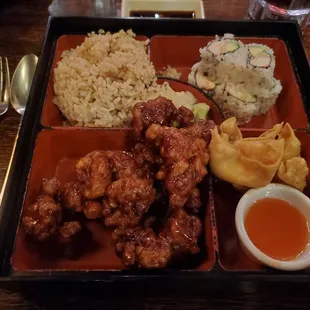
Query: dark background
[(22, 26)]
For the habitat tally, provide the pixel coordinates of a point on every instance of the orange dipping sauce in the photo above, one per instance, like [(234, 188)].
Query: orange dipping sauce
[(277, 228)]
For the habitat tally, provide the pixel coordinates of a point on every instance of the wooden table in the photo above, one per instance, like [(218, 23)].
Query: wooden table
[(22, 25)]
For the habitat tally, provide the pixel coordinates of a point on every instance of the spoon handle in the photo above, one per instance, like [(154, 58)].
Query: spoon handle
[(10, 164)]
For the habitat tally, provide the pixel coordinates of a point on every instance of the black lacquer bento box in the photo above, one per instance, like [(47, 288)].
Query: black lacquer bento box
[(46, 148)]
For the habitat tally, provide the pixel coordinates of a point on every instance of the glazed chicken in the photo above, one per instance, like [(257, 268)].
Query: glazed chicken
[(51, 186), (126, 200), (194, 202), (42, 219), (184, 161), (92, 209), (141, 247), (145, 159), (200, 129), (71, 196), (158, 111), (182, 230), (94, 174), (122, 164)]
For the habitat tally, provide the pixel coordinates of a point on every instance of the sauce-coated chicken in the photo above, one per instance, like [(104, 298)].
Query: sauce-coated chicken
[(182, 230), (184, 161), (42, 219), (159, 111), (126, 200), (94, 174), (141, 247)]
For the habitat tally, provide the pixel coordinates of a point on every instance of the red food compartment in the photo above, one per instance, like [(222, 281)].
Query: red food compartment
[(56, 153), (51, 115), (226, 198), (181, 52)]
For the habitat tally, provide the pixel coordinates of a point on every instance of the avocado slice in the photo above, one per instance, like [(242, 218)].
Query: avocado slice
[(200, 111), (203, 82), (241, 95)]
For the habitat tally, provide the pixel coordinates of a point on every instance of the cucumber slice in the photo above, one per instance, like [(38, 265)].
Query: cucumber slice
[(223, 47), (241, 95), (200, 111), (259, 57)]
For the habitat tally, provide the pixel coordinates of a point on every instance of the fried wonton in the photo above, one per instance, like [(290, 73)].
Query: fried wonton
[(272, 133), (294, 172), (251, 162), (230, 131), (292, 145)]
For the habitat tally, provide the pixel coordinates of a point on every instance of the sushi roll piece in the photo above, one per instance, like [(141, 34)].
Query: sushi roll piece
[(227, 49), (236, 101), (266, 102)]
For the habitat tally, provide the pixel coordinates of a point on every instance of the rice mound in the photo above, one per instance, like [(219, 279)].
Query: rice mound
[(98, 83)]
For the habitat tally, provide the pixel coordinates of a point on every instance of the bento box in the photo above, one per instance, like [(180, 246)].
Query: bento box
[(49, 146)]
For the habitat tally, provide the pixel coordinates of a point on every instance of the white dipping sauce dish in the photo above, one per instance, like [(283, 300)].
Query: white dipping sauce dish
[(279, 191)]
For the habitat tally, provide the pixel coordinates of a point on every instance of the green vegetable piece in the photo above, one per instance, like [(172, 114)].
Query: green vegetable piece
[(200, 111)]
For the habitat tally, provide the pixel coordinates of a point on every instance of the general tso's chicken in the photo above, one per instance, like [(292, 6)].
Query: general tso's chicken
[(93, 209), (94, 174), (141, 247), (157, 111), (200, 129), (127, 200), (68, 231), (68, 237), (194, 202), (71, 196), (183, 117), (50, 187), (42, 219), (185, 158), (145, 159), (183, 230), (122, 164)]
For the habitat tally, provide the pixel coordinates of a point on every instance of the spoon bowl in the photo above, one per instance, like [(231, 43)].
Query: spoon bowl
[(21, 82)]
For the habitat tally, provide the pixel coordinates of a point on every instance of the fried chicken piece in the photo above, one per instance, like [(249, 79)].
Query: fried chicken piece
[(141, 247), (194, 203), (145, 160), (183, 117), (93, 209), (200, 129), (68, 237), (182, 231), (184, 161), (42, 218), (71, 196), (157, 111), (50, 187), (94, 174), (127, 200), (122, 164), (69, 230)]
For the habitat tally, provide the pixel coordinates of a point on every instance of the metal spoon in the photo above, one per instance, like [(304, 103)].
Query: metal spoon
[(20, 88), (21, 82)]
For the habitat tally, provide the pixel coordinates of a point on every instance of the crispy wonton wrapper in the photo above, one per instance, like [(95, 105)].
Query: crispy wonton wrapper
[(230, 131), (292, 145), (250, 162), (272, 133), (294, 172)]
